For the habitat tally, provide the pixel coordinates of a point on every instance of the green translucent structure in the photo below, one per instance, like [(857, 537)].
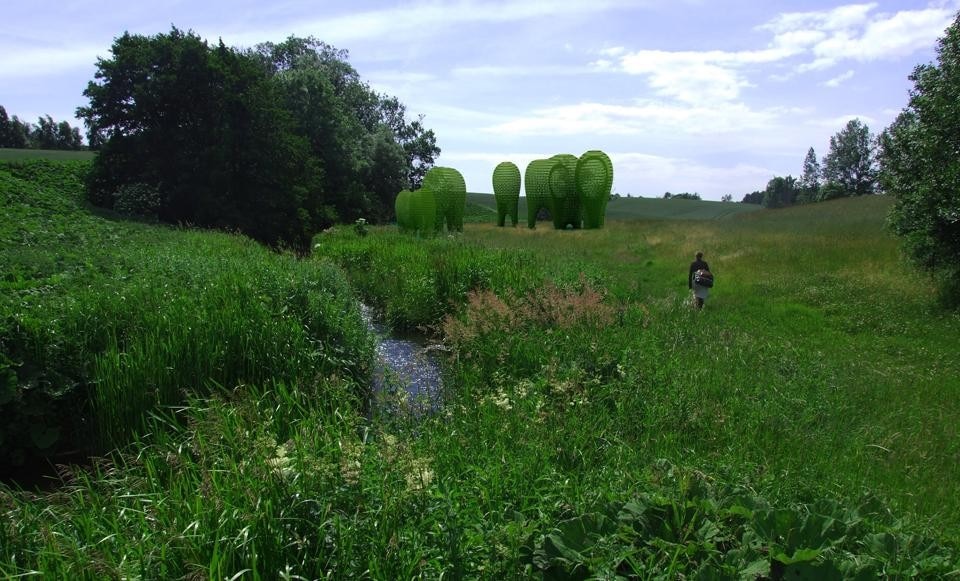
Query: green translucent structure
[(506, 191), (537, 183), (563, 190), (402, 208), (416, 211), (450, 194), (594, 181), (423, 211)]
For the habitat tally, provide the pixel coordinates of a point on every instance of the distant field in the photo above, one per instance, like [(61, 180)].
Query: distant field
[(645, 208), (53, 154)]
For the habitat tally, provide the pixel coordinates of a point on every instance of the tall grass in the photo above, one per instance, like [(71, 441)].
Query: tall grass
[(105, 320), (594, 425)]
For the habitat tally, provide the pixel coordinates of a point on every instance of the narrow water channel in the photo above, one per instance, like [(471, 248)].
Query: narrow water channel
[(405, 369)]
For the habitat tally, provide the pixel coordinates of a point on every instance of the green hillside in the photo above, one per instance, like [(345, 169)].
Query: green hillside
[(643, 208), (8, 154), (804, 425)]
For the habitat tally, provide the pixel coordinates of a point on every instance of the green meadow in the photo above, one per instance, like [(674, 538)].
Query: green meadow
[(10, 154), (805, 424)]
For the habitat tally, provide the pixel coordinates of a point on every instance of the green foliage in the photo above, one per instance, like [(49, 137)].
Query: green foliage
[(593, 426), (809, 183), (137, 200), (921, 169), (276, 143), (681, 196), (209, 133), (102, 322), (506, 191), (849, 166), (46, 134), (780, 193)]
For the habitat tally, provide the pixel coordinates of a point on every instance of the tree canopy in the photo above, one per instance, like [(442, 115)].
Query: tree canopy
[(277, 142), (849, 167), (46, 134), (920, 166)]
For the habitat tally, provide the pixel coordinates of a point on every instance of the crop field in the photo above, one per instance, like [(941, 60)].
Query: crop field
[(805, 424)]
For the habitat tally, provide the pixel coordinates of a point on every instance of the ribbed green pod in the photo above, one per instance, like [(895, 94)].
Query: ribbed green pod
[(506, 191), (423, 211), (402, 208), (450, 193), (536, 180), (566, 202), (594, 181)]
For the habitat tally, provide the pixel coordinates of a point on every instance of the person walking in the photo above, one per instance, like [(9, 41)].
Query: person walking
[(697, 280)]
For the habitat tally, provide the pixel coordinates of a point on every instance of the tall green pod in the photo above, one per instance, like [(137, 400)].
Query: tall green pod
[(401, 207), (536, 180), (450, 192), (506, 191), (563, 190), (423, 211), (594, 181)]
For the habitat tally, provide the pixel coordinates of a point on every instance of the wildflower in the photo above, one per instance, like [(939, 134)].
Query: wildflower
[(419, 476)]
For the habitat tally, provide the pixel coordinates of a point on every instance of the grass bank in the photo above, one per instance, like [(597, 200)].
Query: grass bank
[(103, 320), (595, 425)]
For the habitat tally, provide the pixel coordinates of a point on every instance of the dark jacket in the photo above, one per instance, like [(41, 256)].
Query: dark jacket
[(694, 267)]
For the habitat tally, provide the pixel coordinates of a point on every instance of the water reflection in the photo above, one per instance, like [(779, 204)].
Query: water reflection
[(406, 369)]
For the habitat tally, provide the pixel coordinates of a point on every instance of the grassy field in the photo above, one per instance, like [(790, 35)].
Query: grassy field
[(7, 154), (638, 208), (804, 425)]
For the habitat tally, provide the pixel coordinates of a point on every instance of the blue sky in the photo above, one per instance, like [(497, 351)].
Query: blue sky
[(714, 97)]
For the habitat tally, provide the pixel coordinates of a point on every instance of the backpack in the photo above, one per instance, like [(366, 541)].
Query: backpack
[(703, 278)]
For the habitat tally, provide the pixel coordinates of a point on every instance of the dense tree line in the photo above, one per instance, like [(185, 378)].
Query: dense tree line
[(46, 134), (681, 196), (848, 169), (278, 141), (920, 167)]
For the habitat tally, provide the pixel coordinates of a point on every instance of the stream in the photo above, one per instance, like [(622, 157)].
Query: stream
[(407, 372)]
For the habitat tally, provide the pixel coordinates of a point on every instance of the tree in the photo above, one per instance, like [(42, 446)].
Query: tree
[(21, 133), (205, 127), (45, 134), (6, 130), (68, 137), (920, 166), (347, 125), (848, 168), (419, 144), (753, 198), (810, 179), (780, 192), (726, 198)]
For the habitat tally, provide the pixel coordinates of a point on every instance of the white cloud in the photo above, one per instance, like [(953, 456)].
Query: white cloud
[(855, 33), (641, 118), (415, 20), (698, 77), (824, 38), (839, 79)]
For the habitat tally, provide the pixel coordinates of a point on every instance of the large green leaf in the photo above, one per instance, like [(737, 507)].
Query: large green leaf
[(44, 436)]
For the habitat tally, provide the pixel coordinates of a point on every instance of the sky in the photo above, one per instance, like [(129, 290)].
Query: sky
[(713, 97)]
